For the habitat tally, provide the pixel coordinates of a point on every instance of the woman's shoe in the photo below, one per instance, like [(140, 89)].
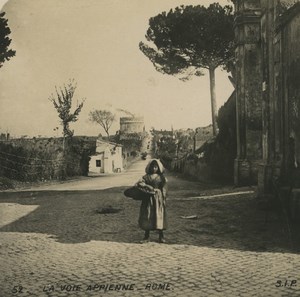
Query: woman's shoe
[(161, 240), (145, 240)]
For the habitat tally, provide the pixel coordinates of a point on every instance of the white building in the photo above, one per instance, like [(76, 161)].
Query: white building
[(108, 158)]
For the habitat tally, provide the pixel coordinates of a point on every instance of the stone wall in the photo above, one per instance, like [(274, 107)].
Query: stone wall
[(267, 87)]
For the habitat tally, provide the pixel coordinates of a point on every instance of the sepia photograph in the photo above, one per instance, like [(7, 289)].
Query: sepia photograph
[(149, 148)]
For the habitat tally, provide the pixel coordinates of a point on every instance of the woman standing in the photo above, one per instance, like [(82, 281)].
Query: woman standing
[(153, 209)]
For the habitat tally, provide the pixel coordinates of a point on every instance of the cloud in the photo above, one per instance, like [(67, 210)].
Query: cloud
[(2, 2)]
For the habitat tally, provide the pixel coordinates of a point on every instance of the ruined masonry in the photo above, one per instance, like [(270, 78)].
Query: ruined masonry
[(267, 93)]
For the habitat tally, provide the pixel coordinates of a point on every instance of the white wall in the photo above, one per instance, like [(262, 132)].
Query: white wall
[(92, 164)]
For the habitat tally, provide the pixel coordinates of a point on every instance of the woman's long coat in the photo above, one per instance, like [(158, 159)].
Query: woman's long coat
[(153, 209)]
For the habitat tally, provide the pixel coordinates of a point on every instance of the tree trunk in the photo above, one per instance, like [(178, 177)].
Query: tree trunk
[(64, 139), (64, 136), (212, 81)]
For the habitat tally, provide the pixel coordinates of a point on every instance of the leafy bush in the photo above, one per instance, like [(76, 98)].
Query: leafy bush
[(166, 159), (219, 154), (133, 154), (192, 157), (6, 183)]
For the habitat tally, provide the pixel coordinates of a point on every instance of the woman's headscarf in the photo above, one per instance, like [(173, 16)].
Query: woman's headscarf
[(160, 166)]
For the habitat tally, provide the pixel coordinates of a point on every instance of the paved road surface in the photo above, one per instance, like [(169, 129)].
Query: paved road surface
[(59, 240)]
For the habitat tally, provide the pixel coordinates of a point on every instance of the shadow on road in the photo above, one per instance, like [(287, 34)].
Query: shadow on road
[(233, 222)]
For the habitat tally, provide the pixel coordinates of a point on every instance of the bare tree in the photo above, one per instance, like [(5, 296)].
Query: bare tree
[(104, 118)]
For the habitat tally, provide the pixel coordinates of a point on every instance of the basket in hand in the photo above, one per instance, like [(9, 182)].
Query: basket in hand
[(138, 192)]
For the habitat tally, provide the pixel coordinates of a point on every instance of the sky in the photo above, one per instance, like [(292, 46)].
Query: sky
[(95, 42)]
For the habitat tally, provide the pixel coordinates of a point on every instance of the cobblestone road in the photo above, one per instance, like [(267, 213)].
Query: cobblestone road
[(56, 241)]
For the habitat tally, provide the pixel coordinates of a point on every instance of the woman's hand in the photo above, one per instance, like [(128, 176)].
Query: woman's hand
[(149, 187)]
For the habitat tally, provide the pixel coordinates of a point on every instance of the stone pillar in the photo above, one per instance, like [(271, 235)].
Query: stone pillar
[(248, 91), (268, 168)]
